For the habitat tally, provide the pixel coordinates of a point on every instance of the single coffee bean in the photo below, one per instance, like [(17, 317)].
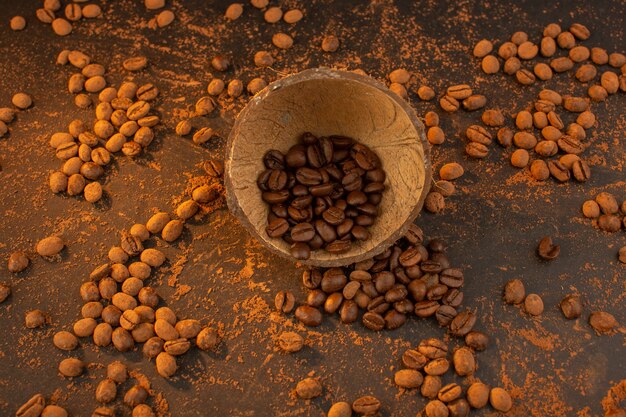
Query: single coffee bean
[(548, 250), (571, 306), (373, 321), (437, 367), (478, 395), (533, 305), (71, 367), (366, 405), (449, 103), (431, 386), (463, 323), (558, 171), (340, 409), (477, 340), (450, 392), (349, 311), (309, 388), (603, 322), (309, 316), (500, 399), (285, 301), (290, 342), (464, 361), (433, 348), (408, 378), (445, 314)]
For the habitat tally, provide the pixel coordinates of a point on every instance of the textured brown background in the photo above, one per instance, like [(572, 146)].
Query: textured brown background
[(552, 366)]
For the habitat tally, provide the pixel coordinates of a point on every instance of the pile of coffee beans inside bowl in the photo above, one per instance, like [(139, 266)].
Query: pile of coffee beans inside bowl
[(323, 193)]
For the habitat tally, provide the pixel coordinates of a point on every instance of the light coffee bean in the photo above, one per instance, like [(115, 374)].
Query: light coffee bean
[(134, 64), (71, 367), (561, 64), (507, 50), (482, 48), (512, 65), (525, 77), (451, 171), (425, 93), (548, 46), (490, 64), (282, 40), (61, 27)]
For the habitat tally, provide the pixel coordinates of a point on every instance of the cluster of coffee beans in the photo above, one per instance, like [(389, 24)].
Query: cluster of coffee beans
[(461, 95), (72, 11), (409, 278), (323, 193), (164, 18), (135, 397), (398, 81), (366, 405), (520, 49), (36, 406), (48, 248), (604, 209), (120, 310), (217, 89), (122, 113), (571, 306), (554, 139), (431, 357), (515, 293), (21, 101), (435, 201), (554, 136)]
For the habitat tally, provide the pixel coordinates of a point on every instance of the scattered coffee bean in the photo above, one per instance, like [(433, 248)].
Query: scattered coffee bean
[(533, 305), (309, 388), (514, 292), (603, 322), (500, 399), (366, 405), (548, 250)]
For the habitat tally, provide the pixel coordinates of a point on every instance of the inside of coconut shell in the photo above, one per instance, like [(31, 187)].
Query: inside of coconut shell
[(331, 105)]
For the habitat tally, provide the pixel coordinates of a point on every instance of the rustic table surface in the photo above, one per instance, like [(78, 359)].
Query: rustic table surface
[(218, 274)]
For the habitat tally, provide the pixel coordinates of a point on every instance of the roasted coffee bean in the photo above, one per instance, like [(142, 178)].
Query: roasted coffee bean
[(373, 321), (311, 278), (437, 367), (290, 342), (433, 348), (571, 306), (464, 361), (453, 298), (500, 400), (445, 314), (366, 405), (463, 323), (394, 319), (477, 340), (547, 250), (478, 395), (309, 316), (408, 378), (603, 322), (449, 392), (533, 304), (300, 250), (431, 386), (339, 246), (449, 104), (609, 223), (277, 228), (581, 171), (285, 301), (436, 292), (558, 171), (570, 145), (451, 277), (349, 311)]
